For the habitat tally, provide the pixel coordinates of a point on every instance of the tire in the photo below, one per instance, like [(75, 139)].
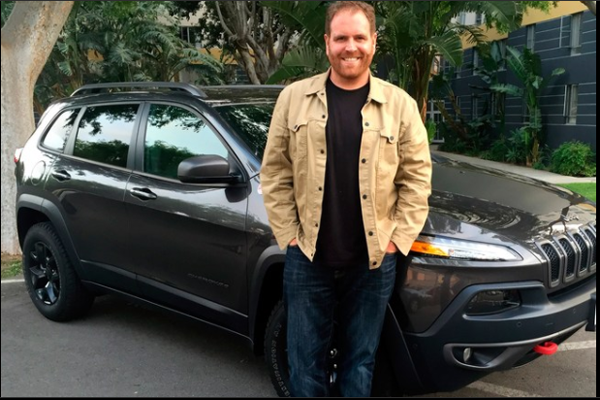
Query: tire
[(276, 351), (51, 280), (384, 379)]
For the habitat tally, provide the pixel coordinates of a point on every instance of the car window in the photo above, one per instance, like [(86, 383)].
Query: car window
[(105, 133), (57, 135), (251, 123), (174, 134)]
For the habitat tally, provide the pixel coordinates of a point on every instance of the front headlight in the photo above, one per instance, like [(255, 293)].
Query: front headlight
[(462, 250)]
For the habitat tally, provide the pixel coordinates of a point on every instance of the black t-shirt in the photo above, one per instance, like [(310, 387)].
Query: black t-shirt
[(342, 243)]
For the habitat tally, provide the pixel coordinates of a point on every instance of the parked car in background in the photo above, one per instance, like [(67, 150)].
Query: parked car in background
[(152, 191)]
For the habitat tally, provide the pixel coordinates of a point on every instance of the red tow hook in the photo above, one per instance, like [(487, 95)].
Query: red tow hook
[(546, 349)]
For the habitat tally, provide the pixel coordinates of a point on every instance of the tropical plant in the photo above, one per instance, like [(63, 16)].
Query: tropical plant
[(119, 41), (492, 63), (527, 67), (418, 33)]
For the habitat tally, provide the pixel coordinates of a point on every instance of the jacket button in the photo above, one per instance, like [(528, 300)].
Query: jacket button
[(316, 225), (365, 197), (367, 124), (392, 139), (322, 151), (320, 189), (374, 263), (371, 234), (364, 160), (296, 127), (324, 116)]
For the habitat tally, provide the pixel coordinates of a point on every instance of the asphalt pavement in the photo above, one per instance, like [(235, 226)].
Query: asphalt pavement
[(124, 350)]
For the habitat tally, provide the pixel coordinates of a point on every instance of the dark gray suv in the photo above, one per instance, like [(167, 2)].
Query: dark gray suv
[(153, 193)]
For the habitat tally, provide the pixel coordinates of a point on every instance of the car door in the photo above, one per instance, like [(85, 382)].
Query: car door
[(188, 242), (89, 182)]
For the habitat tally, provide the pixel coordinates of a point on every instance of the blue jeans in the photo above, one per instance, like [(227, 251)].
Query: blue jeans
[(311, 295)]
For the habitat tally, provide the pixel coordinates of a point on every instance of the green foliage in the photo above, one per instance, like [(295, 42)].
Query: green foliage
[(574, 159), (116, 41), (11, 269), (431, 130), (527, 67), (7, 7), (522, 6), (587, 190)]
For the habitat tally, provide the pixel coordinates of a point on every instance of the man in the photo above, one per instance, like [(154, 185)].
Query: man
[(346, 179)]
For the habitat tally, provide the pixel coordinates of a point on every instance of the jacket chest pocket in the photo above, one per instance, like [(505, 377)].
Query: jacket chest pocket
[(299, 139), (389, 150)]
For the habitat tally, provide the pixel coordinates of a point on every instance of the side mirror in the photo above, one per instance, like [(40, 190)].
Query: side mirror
[(207, 169)]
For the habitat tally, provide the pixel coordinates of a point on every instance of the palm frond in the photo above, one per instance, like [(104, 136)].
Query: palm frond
[(449, 46)]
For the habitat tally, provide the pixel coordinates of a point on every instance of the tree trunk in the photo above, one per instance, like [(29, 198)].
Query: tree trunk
[(27, 40), (591, 5)]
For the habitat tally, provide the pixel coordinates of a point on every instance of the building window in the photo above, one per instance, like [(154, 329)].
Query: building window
[(475, 61), (474, 107), (435, 115), (479, 19), (571, 104), (531, 37), (570, 32), (576, 34), (191, 35)]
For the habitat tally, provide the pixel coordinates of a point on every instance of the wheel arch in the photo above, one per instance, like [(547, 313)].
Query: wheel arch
[(32, 210), (266, 290)]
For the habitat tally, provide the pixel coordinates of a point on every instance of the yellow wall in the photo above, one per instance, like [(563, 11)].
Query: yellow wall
[(534, 16)]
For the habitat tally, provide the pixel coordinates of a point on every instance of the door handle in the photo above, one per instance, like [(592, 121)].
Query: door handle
[(143, 194), (61, 176)]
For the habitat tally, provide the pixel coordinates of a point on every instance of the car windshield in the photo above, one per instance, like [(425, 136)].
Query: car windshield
[(251, 122)]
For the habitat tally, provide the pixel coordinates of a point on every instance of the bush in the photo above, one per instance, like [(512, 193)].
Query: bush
[(574, 159), (431, 130)]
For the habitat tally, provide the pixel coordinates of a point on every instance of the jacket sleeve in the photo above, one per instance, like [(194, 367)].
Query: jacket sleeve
[(413, 180), (277, 176)]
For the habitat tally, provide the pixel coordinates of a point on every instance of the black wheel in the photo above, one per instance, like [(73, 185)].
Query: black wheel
[(276, 351), (51, 280), (276, 354)]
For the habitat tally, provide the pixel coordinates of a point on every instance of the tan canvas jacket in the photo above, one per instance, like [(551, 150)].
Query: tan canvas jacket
[(394, 175)]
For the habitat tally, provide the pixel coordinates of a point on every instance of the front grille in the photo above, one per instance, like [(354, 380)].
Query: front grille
[(570, 255)]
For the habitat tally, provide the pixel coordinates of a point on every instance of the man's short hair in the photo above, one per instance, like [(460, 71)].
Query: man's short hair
[(356, 6)]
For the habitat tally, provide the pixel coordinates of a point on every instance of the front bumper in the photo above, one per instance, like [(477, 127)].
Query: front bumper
[(496, 342)]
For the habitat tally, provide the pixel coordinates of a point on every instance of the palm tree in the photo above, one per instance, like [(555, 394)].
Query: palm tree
[(419, 32)]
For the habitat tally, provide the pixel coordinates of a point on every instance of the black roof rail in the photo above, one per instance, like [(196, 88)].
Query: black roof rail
[(174, 86), (243, 87)]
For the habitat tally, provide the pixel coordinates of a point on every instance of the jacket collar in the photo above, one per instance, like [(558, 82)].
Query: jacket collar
[(319, 83)]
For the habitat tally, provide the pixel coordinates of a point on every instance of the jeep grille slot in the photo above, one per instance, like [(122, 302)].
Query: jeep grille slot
[(592, 236), (570, 255), (554, 259), (585, 252)]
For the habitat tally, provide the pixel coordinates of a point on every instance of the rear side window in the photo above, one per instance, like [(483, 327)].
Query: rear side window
[(175, 134), (59, 132), (105, 133)]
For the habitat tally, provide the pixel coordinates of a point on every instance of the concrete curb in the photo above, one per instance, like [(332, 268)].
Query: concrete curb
[(544, 176)]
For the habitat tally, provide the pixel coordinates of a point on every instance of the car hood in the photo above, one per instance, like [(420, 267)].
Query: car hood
[(470, 201)]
